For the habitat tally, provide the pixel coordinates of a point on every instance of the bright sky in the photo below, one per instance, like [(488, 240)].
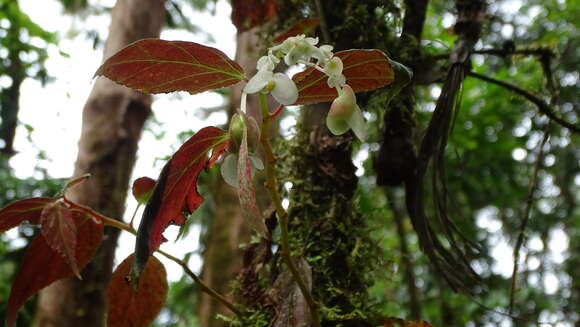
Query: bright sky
[(54, 111)]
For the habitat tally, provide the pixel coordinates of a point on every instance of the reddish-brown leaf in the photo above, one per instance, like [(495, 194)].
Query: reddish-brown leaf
[(142, 189), (176, 190), (246, 192), (17, 212), (305, 26), (60, 232), (42, 265), (159, 66), (130, 307), (250, 13), (364, 70)]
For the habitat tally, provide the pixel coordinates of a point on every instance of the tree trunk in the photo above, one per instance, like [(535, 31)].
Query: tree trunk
[(329, 239), (113, 119)]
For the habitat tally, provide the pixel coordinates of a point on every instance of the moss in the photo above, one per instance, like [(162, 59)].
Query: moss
[(326, 228)]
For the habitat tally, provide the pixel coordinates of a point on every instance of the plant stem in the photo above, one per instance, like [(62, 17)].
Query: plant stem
[(128, 228), (202, 285), (271, 186)]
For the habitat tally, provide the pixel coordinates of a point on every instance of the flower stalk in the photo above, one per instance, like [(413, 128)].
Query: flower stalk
[(271, 183)]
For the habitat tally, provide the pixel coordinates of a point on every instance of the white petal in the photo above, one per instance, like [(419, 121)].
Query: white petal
[(229, 169), (336, 81), (311, 40), (264, 63), (357, 123), (256, 162), (258, 82), (336, 125), (334, 67), (292, 57), (285, 91)]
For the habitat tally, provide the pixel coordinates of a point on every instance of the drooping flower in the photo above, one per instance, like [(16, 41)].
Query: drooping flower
[(279, 85), (345, 114)]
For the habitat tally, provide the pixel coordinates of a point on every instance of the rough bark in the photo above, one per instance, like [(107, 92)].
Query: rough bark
[(113, 118)]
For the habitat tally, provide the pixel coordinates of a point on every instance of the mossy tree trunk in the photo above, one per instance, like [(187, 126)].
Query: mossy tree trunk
[(113, 118), (325, 228)]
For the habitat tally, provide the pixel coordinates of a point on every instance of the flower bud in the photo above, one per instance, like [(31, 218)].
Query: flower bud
[(237, 125), (345, 114)]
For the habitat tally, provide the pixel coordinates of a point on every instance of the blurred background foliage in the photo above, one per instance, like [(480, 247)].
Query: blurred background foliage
[(490, 163)]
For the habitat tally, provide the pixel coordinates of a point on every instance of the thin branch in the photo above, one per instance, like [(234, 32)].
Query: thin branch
[(526, 215), (506, 52), (407, 265), (128, 228), (509, 52), (541, 104), (271, 187), (202, 286)]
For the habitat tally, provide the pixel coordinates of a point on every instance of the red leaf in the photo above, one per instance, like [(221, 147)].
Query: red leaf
[(176, 190), (136, 308), (250, 13), (364, 70), (142, 189), (305, 26), (158, 66), (246, 192), (42, 265), (17, 212), (60, 231)]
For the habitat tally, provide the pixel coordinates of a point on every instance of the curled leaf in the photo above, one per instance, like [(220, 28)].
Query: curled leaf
[(175, 193), (246, 192), (142, 189)]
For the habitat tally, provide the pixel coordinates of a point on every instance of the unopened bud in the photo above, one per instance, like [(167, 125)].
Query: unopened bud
[(237, 125)]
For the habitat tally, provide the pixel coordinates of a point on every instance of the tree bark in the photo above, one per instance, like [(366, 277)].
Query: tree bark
[(113, 118)]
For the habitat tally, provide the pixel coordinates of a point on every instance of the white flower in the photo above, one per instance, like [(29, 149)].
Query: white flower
[(297, 49), (333, 70), (229, 168), (268, 62), (323, 54), (345, 114), (281, 86)]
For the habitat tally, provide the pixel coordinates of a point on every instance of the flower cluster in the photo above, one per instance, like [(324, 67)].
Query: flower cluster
[(344, 113)]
